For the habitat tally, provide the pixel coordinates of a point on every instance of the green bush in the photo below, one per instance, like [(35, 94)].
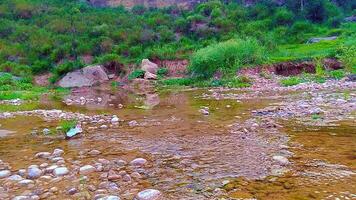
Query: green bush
[(162, 71), (138, 73), (337, 74), (347, 55), (178, 82), (226, 57), (291, 81)]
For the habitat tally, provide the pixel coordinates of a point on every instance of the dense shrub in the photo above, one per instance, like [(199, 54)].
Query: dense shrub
[(226, 57)]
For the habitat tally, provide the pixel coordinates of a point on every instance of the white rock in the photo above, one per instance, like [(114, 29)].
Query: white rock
[(94, 152), (15, 177), (281, 160), (21, 198), (43, 155), (87, 169), (57, 153), (138, 162), (5, 173), (109, 198), (149, 194), (115, 119), (60, 171), (46, 131), (26, 182)]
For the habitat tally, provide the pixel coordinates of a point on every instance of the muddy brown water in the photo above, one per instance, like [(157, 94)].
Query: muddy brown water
[(190, 154)]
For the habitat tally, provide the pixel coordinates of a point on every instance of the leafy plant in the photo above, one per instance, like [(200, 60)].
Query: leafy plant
[(67, 125), (138, 73), (294, 80), (162, 71), (337, 74)]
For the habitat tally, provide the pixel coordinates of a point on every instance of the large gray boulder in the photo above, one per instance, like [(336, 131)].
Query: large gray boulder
[(88, 76), (149, 66)]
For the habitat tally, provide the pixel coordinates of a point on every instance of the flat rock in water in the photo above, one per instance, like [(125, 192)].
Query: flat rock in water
[(73, 132)]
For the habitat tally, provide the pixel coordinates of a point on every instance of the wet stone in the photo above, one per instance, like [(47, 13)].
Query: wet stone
[(281, 160), (72, 191), (60, 171), (87, 169), (15, 177), (26, 182), (109, 198), (5, 173), (34, 173), (43, 155), (138, 162), (94, 152), (149, 194), (57, 153)]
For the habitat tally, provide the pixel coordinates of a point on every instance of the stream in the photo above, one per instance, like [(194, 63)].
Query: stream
[(237, 150)]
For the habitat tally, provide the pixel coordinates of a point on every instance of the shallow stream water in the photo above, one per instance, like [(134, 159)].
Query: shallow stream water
[(195, 156)]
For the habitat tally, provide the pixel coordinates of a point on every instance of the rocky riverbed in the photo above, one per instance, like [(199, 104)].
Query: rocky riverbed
[(284, 143)]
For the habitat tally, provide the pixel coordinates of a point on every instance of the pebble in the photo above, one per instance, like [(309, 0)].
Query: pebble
[(43, 155), (22, 172), (133, 123), (72, 191), (103, 126), (57, 153), (94, 152), (34, 172), (26, 182), (87, 169), (60, 171), (281, 160), (115, 119), (5, 173), (138, 162), (44, 165), (21, 198), (50, 168), (112, 175), (109, 198), (204, 111), (15, 177), (149, 194), (126, 178), (46, 131)]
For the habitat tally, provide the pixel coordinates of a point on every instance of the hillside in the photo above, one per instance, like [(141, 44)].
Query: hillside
[(60, 36)]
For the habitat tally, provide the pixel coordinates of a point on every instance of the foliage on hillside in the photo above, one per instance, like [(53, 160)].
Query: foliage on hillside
[(55, 35)]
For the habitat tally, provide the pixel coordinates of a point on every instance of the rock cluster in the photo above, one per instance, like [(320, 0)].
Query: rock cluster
[(105, 179)]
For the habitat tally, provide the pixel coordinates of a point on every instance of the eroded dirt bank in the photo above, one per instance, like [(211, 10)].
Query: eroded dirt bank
[(295, 143)]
